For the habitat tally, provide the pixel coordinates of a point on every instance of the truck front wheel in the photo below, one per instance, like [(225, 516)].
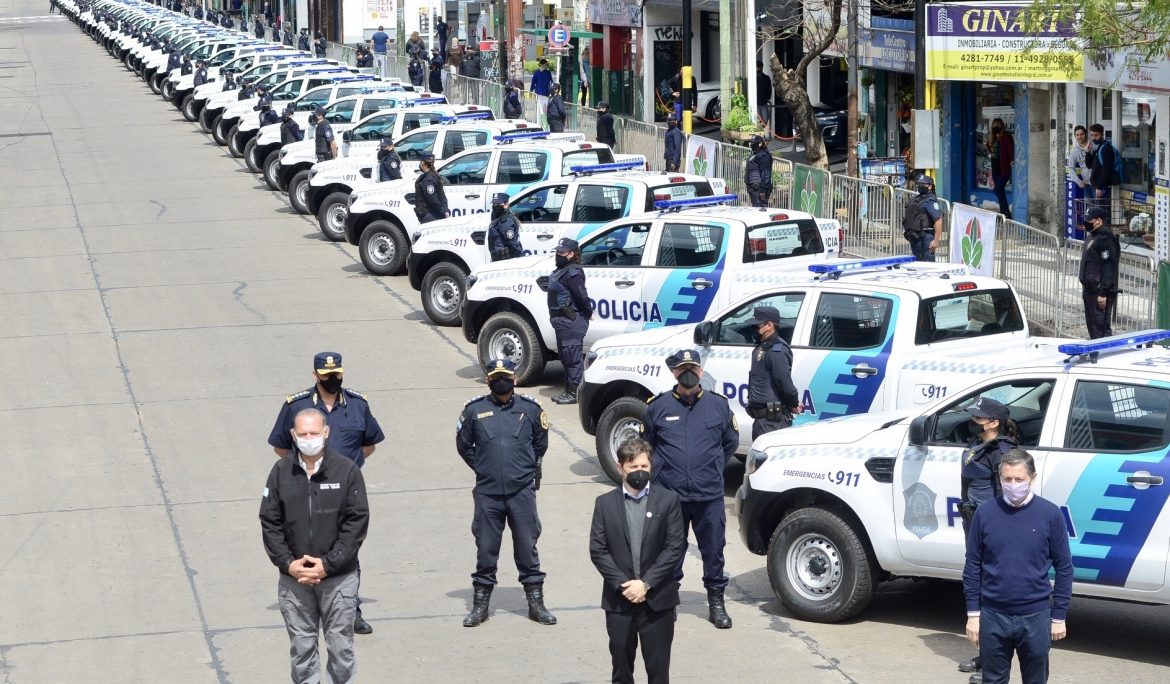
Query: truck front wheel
[(819, 567), (619, 421), (383, 248), (507, 335), (443, 288)]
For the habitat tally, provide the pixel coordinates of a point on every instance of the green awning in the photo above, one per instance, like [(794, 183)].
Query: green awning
[(575, 34)]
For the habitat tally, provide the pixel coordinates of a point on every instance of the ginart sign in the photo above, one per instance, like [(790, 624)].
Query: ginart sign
[(998, 43)]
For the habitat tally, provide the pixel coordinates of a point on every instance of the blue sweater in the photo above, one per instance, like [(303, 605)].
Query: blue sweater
[(1009, 553)]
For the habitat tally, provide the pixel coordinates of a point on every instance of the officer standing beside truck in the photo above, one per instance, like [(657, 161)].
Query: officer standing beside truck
[(569, 311), (772, 397), (922, 226), (430, 202), (1098, 274), (504, 230)]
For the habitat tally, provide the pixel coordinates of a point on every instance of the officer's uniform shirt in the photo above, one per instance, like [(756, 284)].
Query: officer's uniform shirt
[(1099, 262), (430, 196), (269, 116), (502, 443), (187, 68), (566, 287), (389, 166), (692, 443), (200, 76), (504, 237), (770, 376), (324, 140), (230, 84), (290, 132), (980, 465), (759, 169), (351, 425)]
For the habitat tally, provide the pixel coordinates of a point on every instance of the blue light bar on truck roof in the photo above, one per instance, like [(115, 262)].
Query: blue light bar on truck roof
[(1137, 339), (427, 101), (520, 135), (838, 267), (465, 116), (612, 166), (693, 201)]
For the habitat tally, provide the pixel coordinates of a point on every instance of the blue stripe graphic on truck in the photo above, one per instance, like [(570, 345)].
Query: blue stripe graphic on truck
[(836, 391), (678, 299)]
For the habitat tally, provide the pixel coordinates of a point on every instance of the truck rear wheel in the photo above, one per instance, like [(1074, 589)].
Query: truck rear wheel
[(383, 248), (619, 421), (509, 336), (819, 566), (443, 289), (331, 217)]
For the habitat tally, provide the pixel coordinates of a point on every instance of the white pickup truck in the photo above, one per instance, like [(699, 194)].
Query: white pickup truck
[(216, 100), (235, 59), (666, 268), (382, 219), (441, 255)]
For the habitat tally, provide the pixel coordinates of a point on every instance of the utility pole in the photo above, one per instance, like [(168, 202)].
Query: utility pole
[(688, 83), (854, 56), (920, 54)]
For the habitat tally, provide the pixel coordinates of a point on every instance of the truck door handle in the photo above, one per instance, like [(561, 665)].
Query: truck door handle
[(1143, 480), (545, 236), (863, 369), (701, 283), (471, 197), (623, 283)]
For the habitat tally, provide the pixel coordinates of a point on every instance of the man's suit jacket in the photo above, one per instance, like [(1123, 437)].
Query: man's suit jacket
[(662, 546)]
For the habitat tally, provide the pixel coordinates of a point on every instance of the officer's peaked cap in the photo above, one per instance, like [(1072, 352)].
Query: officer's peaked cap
[(986, 407), (327, 362), (924, 179), (500, 367), (567, 245), (764, 314), (683, 357), (500, 198), (1095, 212)]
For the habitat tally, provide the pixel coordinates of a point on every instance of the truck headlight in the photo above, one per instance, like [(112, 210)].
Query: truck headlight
[(755, 459), (414, 237), (312, 173), (471, 281), (590, 357), (350, 200)]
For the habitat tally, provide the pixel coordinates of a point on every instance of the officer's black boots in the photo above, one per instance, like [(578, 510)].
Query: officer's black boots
[(479, 605), (536, 610), (360, 626), (719, 616), (569, 397)]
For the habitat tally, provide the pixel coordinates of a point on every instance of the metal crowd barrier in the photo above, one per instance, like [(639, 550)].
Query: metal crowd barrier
[(1033, 261), (865, 210), (781, 176)]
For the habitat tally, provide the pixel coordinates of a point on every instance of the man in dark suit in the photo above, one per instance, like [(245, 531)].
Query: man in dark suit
[(636, 542)]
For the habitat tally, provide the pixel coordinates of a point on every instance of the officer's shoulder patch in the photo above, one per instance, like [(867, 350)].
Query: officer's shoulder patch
[(354, 393), (473, 400), (529, 397), (299, 395), (660, 394)]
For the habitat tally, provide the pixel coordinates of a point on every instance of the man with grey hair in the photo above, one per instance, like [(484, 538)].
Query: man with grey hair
[(314, 516)]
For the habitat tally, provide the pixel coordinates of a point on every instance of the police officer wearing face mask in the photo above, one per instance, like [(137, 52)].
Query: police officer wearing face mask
[(353, 430), (758, 173), (503, 436), (694, 434), (430, 201), (325, 142), (229, 80), (570, 310), (303, 41), (922, 226), (247, 90), (200, 73), (267, 115), (504, 230), (175, 60), (1098, 274), (389, 163), (672, 146), (290, 130), (188, 66), (772, 398)]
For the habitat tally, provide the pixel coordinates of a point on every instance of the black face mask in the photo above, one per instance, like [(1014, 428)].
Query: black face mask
[(689, 379), (923, 189), (331, 383), (562, 261), (497, 211), (501, 386), (382, 154), (638, 479), (976, 429), (996, 129)]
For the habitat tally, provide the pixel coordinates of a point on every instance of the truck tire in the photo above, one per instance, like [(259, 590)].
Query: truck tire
[(383, 248), (508, 335), (236, 142), (168, 90), (271, 169), (206, 120), (156, 82), (331, 216), (298, 192), (188, 108), (443, 289), (819, 567), (618, 422), (220, 131), (250, 156)]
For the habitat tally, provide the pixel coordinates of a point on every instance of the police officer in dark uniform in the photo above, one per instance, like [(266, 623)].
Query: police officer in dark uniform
[(554, 111), (303, 41), (261, 92), (229, 80), (1099, 273), (512, 107), (502, 436), (259, 28), (267, 116), (353, 430), (188, 66), (758, 173), (175, 60), (694, 434), (389, 163), (430, 201), (772, 398), (290, 130), (200, 73), (570, 310), (504, 230), (325, 142), (247, 89), (922, 225)]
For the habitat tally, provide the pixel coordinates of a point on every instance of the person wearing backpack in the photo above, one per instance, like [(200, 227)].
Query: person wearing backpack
[(922, 224), (1104, 164)]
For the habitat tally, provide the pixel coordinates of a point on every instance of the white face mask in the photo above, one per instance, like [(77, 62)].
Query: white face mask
[(311, 446), (1016, 493)]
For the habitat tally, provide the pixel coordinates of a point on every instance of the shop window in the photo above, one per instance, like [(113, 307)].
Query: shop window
[(1137, 142)]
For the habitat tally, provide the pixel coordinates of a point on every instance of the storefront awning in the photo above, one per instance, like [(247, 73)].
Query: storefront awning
[(575, 34)]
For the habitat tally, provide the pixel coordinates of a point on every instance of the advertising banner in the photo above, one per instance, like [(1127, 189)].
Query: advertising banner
[(999, 43), (973, 238)]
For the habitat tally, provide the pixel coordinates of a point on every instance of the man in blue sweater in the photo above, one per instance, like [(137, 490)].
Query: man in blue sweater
[(1011, 607)]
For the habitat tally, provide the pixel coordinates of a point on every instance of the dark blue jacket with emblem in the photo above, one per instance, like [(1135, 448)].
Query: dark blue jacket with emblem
[(692, 443), (502, 443), (351, 425)]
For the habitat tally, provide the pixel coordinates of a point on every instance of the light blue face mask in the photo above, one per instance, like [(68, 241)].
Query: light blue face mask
[(1015, 493)]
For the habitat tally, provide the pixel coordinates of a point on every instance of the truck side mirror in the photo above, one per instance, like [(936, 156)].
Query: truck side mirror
[(346, 136), (704, 333), (917, 435)]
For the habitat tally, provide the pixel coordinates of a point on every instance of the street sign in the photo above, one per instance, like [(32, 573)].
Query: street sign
[(558, 35)]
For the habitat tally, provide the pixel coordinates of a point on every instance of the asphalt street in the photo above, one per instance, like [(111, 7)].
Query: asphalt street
[(157, 304)]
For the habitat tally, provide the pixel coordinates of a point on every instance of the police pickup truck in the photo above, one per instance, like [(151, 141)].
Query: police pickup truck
[(441, 255), (297, 162), (382, 219), (200, 49), (333, 180), (235, 59), (182, 87), (841, 505), (661, 269), (269, 71), (866, 336)]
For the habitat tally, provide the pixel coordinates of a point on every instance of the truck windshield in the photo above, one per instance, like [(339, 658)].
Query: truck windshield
[(971, 313)]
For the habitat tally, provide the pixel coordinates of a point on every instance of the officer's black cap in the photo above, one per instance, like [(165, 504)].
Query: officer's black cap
[(603, 105), (289, 110), (1095, 212), (500, 198), (764, 314), (319, 111), (385, 142), (327, 362), (683, 357), (500, 367), (986, 407), (757, 140), (925, 180), (567, 245), (427, 157)]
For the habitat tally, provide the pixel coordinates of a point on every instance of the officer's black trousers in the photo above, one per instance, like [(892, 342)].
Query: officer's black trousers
[(762, 426), (570, 347), (654, 628), (519, 512), (709, 521), (1099, 321)]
